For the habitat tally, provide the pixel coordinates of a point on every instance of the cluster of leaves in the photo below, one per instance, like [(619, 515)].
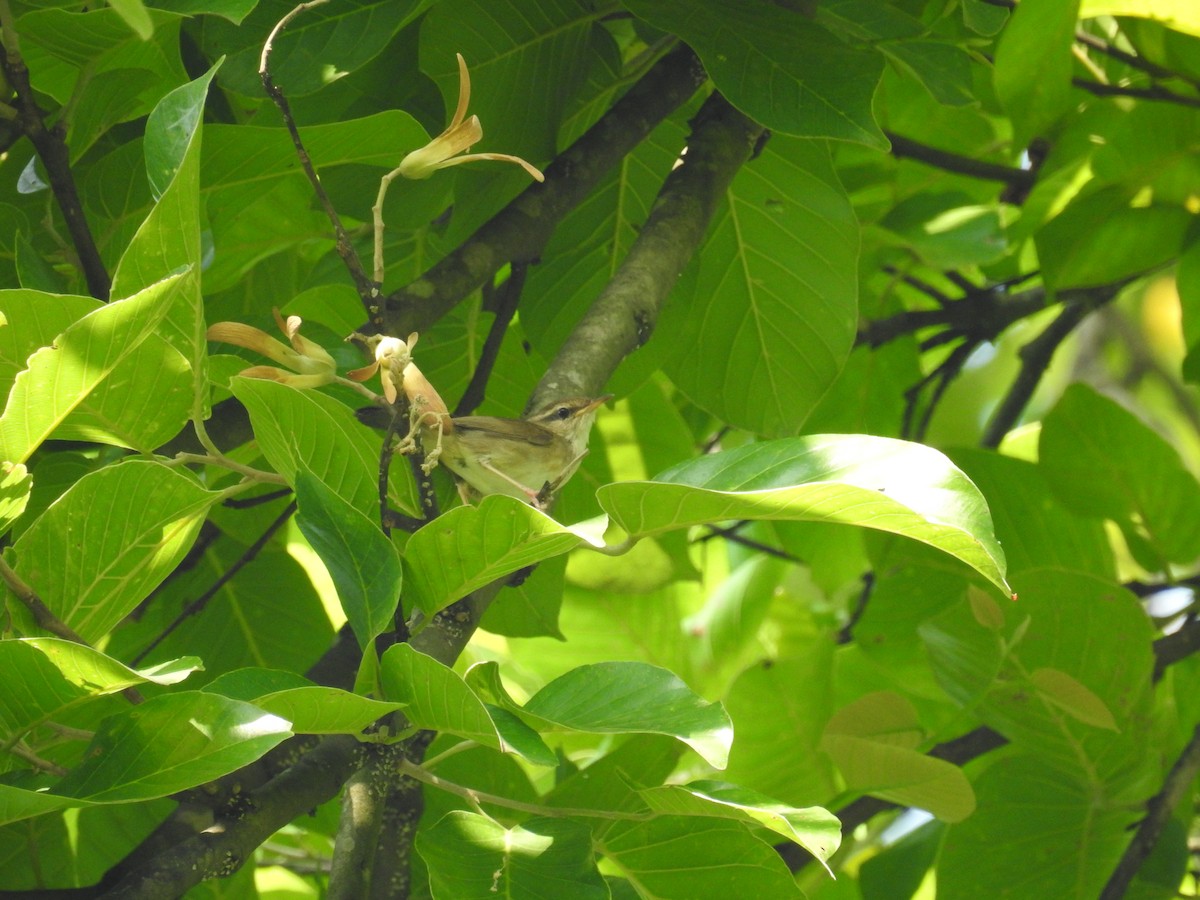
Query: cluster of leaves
[(806, 604)]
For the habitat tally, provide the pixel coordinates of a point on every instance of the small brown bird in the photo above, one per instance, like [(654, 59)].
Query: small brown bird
[(528, 458)]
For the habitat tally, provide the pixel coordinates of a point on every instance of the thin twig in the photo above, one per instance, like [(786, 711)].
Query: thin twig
[(1134, 62), (506, 307), (906, 148), (55, 156), (1158, 812), (1154, 92), (731, 534), (366, 289), (200, 602), (45, 619)]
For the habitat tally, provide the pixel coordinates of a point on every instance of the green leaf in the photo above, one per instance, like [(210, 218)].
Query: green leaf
[(17, 804), (324, 710), (136, 17), (1101, 238), (816, 830), (437, 698), (470, 546), (1025, 806), (778, 727), (171, 743), (674, 856), (872, 482), (778, 67), (1034, 528), (33, 319), (775, 311), (1035, 96), (319, 47), (15, 486), (60, 377), (109, 541), (873, 743), (299, 429), (1072, 697), (363, 563), (1102, 460), (169, 238), (531, 608), (632, 697), (474, 856), (1092, 632)]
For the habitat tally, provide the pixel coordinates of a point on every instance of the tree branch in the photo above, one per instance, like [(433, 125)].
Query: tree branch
[(623, 317), (52, 151), (519, 231), (906, 148)]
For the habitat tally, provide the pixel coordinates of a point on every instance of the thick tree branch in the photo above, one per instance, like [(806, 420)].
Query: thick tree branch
[(53, 152), (519, 231), (623, 317), (315, 778)]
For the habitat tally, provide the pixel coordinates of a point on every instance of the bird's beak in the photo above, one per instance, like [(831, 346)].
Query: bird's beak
[(595, 404)]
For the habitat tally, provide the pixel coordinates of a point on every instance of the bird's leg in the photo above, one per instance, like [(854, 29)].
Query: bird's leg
[(531, 494)]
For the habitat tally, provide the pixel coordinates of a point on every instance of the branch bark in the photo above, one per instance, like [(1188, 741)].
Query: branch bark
[(624, 315)]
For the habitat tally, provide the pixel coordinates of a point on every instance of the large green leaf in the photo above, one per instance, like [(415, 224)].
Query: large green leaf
[(169, 744), (775, 310), (1101, 460), (814, 829), (474, 857), (59, 377), (437, 698), (320, 46), (299, 429), (631, 697), (781, 69), (1035, 96), (1025, 807), (1055, 672), (109, 541), (470, 546), (43, 678), (310, 708), (880, 483), (1105, 237), (363, 563), (169, 238), (684, 856)]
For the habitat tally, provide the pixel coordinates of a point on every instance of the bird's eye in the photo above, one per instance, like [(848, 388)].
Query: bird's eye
[(563, 412)]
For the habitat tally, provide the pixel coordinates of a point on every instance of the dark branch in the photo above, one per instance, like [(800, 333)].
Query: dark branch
[(53, 152), (1153, 92), (905, 148), (508, 297)]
